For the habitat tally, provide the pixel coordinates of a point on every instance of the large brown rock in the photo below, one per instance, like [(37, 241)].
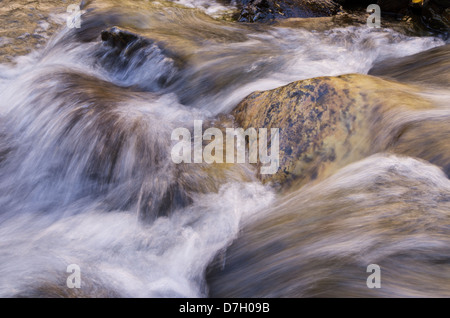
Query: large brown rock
[(328, 122)]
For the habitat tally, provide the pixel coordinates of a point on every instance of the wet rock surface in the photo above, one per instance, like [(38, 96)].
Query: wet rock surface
[(268, 10), (26, 25), (326, 123), (436, 16)]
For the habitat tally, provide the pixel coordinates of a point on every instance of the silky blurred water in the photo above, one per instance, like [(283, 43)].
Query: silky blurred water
[(85, 144)]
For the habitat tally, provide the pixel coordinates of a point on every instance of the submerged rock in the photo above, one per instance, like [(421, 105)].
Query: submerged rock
[(356, 18), (318, 242), (328, 122), (104, 146), (27, 25), (431, 67)]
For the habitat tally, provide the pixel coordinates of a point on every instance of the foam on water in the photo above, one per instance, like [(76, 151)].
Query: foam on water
[(165, 259), (210, 7), (305, 54)]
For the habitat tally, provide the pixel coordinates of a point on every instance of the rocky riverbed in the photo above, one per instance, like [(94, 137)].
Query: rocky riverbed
[(87, 176)]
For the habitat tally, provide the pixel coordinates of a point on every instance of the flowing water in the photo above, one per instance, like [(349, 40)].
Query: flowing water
[(85, 170)]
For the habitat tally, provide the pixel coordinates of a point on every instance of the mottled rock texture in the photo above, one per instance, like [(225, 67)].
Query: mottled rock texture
[(328, 122)]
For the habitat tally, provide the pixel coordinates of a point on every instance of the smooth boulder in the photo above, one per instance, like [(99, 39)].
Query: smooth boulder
[(328, 122)]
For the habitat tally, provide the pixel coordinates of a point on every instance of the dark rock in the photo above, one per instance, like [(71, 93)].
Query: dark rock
[(268, 10), (431, 15), (436, 16), (355, 3), (393, 6), (120, 40)]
